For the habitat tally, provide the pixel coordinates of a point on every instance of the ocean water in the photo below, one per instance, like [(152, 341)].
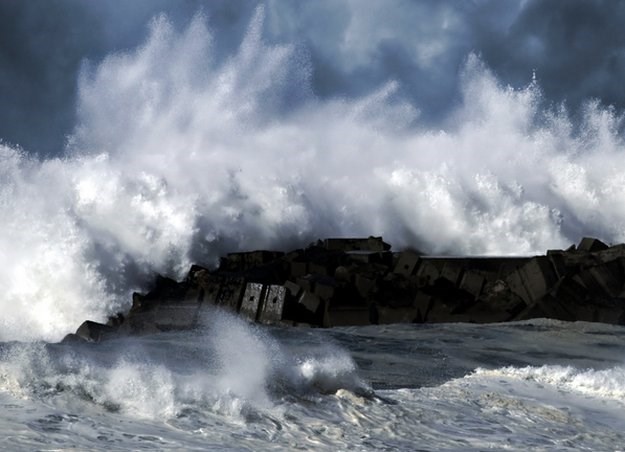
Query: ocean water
[(230, 385)]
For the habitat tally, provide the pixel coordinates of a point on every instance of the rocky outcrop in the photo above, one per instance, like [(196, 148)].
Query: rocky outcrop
[(360, 281)]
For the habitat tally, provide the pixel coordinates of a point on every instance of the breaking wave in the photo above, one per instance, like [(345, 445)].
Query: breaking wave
[(177, 158), (230, 368)]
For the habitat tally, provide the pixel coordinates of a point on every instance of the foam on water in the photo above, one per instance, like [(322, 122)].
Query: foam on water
[(177, 158), (239, 386), (608, 384), (231, 368)]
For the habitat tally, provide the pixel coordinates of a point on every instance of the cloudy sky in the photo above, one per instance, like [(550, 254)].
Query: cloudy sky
[(576, 49)]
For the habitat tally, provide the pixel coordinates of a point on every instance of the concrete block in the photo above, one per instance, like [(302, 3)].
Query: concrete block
[(252, 297), (235, 262), (611, 254), (230, 294), (176, 317), (422, 302), (299, 269), (406, 264), (452, 271), (307, 282), (371, 257), (356, 244), (139, 322), (472, 282), (317, 269), (427, 273), (273, 304), (558, 261), (324, 289), (440, 312), (309, 301), (210, 289), (533, 280), (293, 289), (364, 285), (603, 280), (343, 274), (571, 291), (591, 245), (194, 295), (548, 307)]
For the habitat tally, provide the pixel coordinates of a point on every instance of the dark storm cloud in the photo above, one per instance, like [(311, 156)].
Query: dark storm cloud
[(44, 42), (576, 47)]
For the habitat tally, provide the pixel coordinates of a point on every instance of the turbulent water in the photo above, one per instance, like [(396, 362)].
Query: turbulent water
[(539, 385)]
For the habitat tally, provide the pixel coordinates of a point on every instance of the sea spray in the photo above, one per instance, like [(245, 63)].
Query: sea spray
[(229, 367)]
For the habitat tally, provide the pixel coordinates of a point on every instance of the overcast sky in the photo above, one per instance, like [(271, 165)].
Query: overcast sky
[(575, 47)]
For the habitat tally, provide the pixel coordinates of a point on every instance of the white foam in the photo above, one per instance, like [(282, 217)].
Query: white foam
[(177, 159), (604, 384)]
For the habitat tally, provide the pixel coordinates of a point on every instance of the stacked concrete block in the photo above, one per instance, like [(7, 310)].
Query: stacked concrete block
[(359, 281), (452, 272), (427, 273), (406, 264), (364, 284), (605, 279), (237, 262), (272, 304), (591, 245), (533, 280), (252, 297), (472, 282), (356, 244)]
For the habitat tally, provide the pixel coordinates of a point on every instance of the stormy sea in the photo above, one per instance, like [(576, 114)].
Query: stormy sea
[(192, 143), (535, 385)]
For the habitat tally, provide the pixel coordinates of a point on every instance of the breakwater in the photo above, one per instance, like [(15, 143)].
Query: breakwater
[(359, 281)]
